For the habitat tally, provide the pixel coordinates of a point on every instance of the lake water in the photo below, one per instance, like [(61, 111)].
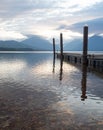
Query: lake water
[(38, 93)]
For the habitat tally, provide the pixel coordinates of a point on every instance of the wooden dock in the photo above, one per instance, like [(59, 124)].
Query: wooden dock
[(94, 61)]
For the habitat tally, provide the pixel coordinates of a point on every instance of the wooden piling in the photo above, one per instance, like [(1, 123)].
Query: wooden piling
[(61, 45), (54, 47), (85, 45)]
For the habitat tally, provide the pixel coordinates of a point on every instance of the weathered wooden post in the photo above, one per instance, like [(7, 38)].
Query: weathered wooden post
[(61, 45), (54, 47), (85, 44), (61, 55), (84, 62)]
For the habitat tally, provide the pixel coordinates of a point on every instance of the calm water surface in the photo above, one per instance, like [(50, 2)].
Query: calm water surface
[(38, 93)]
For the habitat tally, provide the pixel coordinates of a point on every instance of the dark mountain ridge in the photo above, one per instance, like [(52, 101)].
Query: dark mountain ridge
[(36, 43), (95, 43), (33, 42)]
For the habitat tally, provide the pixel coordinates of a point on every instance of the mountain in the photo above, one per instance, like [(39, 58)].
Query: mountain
[(13, 46), (32, 43), (95, 43), (37, 43), (74, 45)]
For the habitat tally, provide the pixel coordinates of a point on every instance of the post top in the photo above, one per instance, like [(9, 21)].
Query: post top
[(85, 25)]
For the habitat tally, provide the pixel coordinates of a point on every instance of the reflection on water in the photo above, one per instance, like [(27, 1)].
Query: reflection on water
[(11, 67), (54, 64), (61, 69), (84, 82), (38, 92)]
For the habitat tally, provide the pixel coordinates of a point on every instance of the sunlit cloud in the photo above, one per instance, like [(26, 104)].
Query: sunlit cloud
[(11, 35), (43, 17)]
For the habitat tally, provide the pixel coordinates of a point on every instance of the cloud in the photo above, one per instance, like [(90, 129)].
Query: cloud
[(95, 26), (44, 16), (11, 35), (11, 8)]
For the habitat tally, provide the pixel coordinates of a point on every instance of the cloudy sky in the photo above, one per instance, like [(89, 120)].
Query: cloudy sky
[(48, 18)]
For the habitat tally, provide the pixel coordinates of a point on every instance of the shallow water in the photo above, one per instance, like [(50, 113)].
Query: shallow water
[(38, 93)]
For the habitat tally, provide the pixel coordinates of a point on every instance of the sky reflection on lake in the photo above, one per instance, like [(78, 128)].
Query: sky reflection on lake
[(37, 84)]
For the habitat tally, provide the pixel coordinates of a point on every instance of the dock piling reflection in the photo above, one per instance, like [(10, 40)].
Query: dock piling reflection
[(84, 82), (53, 64), (61, 69)]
